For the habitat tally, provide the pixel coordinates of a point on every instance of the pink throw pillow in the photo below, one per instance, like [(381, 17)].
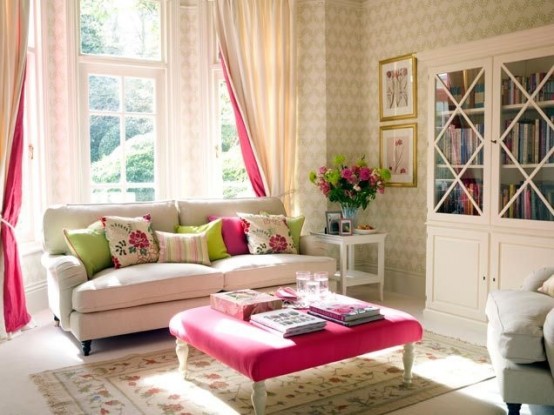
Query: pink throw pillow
[(233, 234)]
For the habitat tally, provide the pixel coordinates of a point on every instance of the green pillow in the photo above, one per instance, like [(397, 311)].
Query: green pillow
[(91, 247), (295, 227), (216, 245)]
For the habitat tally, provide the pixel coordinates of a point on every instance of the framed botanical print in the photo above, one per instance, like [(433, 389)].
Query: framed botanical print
[(398, 150), (398, 88)]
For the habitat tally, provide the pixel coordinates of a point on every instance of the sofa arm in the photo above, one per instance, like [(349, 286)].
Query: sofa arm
[(63, 274), (311, 245), (534, 280), (548, 332)]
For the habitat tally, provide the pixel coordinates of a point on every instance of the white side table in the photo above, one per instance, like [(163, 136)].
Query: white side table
[(347, 274)]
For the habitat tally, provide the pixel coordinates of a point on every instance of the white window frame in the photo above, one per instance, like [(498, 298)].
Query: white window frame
[(108, 69), (29, 225)]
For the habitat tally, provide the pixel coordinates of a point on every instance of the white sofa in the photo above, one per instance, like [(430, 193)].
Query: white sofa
[(145, 296), (520, 341)]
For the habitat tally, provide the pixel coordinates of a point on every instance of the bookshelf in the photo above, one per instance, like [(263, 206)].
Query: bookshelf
[(490, 169)]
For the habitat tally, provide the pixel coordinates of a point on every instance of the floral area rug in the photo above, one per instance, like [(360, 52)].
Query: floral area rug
[(368, 384)]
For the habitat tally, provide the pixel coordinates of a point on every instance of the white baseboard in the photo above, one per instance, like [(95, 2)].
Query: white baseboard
[(37, 297), (450, 325)]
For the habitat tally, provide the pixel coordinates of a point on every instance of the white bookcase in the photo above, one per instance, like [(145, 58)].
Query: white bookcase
[(490, 187)]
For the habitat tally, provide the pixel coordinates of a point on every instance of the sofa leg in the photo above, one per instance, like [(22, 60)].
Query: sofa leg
[(85, 344), (56, 321), (513, 408)]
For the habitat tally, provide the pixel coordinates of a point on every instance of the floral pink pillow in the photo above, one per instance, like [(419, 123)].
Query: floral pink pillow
[(267, 234), (131, 240)]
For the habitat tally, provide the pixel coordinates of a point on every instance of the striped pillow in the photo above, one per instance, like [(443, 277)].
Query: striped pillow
[(183, 247)]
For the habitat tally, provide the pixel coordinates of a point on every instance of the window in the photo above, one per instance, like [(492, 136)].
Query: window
[(122, 88), (235, 181)]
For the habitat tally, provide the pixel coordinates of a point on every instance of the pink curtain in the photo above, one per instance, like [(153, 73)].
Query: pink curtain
[(15, 306), (250, 163)]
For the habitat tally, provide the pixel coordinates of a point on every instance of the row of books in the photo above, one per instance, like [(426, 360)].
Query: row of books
[(529, 141), (458, 201), (459, 144), (476, 98), (528, 205), (512, 94)]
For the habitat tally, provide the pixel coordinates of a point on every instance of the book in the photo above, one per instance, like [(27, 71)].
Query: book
[(243, 303), (288, 321), (350, 323), (290, 333), (344, 308)]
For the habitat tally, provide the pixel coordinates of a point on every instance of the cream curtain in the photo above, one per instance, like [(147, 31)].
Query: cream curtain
[(14, 21), (257, 43)]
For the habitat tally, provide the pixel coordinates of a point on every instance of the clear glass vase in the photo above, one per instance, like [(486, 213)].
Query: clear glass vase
[(350, 212)]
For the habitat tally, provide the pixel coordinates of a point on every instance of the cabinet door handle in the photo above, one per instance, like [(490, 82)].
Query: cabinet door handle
[(494, 141), (484, 277)]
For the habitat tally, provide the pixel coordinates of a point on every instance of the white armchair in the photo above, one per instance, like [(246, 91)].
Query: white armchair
[(520, 341)]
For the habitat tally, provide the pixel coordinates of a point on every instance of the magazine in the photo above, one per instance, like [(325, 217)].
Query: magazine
[(351, 322), (345, 308), (293, 332), (288, 320)]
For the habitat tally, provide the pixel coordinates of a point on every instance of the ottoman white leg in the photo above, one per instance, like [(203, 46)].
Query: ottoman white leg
[(408, 361), (182, 350), (259, 397)]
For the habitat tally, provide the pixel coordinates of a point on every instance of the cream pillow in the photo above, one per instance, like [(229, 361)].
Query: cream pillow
[(131, 240), (548, 286), (267, 234), (183, 247)]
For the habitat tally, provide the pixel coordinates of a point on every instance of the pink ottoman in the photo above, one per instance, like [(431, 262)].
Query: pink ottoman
[(261, 355)]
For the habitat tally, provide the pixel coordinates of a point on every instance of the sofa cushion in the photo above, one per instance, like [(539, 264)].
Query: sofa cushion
[(183, 247), (267, 234), (131, 240), (164, 217), (145, 284), (548, 286), (233, 234), (535, 279), (91, 247), (517, 317), (295, 227), (216, 244), (258, 271), (195, 211)]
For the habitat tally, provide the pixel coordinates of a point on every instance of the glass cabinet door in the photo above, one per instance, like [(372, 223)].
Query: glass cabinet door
[(458, 146), (526, 140)]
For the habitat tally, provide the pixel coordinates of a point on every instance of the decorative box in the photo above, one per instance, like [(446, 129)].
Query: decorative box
[(243, 303)]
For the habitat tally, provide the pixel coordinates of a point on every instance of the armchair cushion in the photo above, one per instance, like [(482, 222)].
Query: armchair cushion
[(548, 286), (517, 317), (535, 279), (548, 330)]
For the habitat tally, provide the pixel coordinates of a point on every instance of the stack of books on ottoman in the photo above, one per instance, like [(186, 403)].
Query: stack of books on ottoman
[(287, 322), (346, 311)]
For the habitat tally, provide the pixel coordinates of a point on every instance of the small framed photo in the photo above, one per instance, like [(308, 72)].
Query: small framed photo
[(345, 227), (398, 88), (332, 219), (398, 150)]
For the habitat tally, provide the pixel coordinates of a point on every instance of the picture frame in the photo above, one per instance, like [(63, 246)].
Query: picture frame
[(398, 88), (398, 153), (332, 219), (345, 227)]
